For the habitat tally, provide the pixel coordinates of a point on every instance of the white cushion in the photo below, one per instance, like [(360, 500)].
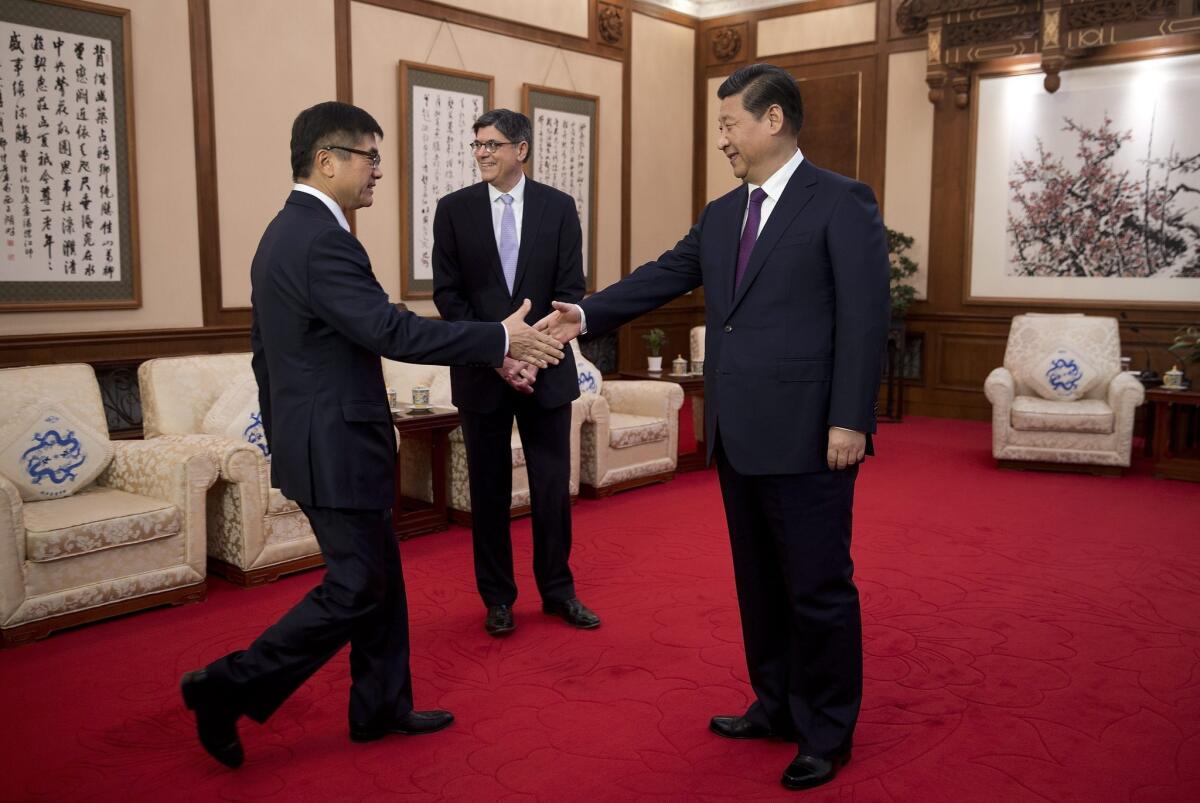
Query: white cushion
[(590, 378), (1033, 414), (625, 430), (1061, 374), (235, 415), (48, 452)]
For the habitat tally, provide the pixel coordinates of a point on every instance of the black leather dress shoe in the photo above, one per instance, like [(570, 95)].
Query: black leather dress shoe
[(806, 771), (414, 723), (574, 612), (735, 727), (216, 720), (499, 620)]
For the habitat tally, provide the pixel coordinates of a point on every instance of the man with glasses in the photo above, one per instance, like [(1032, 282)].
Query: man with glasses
[(496, 242), (321, 322)]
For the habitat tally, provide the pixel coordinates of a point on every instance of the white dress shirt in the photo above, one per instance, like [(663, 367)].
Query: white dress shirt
[(773, 187)]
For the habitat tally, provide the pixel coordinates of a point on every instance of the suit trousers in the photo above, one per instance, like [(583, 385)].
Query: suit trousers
[(790, 539), (546, 441), (360, 600)]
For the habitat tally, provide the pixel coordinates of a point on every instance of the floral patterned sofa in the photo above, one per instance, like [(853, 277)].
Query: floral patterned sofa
[(1060, 398), (90, 528), (255, 533), (414, 454)]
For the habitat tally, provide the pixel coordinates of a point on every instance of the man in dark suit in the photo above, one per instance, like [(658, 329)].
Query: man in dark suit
[(497, 241), (321, 322), (795, 271)]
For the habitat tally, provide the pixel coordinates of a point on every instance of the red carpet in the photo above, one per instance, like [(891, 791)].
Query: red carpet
[(1029, 637)]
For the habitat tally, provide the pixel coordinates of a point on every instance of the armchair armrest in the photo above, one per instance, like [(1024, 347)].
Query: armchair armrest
[(237, 461), (174, 471), (1000, 387), (12, 549), (1125, 393), (646, 397)]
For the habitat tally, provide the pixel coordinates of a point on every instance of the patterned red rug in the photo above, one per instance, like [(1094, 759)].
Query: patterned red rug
[(1029, 636)]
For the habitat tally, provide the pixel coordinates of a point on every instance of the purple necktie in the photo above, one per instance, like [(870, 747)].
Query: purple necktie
[(749, 235)]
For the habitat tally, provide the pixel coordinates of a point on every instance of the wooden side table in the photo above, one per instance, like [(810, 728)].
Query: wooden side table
[(415, 516), (1175, 418), (693, 391)]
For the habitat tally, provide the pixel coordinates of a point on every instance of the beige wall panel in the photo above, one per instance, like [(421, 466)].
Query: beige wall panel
[(259, 84), (661, 175), (909, 166), (832, 27), (382, 38), (564, 16), (166, 184), (719, 178)]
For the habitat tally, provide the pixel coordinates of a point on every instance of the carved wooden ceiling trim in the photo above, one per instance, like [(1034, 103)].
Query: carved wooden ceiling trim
[(963, 33)]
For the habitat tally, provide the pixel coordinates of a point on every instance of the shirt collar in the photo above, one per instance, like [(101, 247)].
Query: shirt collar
[(325, 199), (517, 192), (775, 185)]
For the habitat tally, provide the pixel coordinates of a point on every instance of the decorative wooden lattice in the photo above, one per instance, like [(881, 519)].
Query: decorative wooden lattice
[(962, 33)]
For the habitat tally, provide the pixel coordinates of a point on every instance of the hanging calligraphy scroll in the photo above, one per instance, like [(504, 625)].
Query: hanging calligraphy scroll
[(437, 109), (565, 126), (68, 233)]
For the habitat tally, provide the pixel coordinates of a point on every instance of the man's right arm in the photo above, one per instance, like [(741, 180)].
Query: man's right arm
[(344, 292), (671, 275)]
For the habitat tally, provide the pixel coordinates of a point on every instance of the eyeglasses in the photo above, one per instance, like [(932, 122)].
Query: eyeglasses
[(491, 146), (372, 156)]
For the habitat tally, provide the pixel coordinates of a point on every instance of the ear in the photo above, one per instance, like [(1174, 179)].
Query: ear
[(775, 118), (324, 163), (522, 151)]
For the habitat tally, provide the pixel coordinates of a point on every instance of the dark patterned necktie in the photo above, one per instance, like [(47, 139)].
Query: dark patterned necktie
[(749, 235)]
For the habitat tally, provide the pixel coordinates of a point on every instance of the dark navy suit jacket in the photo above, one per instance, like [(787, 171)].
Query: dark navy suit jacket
[(798, 347), (321, 323), (469, 285)]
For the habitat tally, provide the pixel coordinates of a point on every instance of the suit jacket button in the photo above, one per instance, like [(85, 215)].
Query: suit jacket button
[(728, 328)]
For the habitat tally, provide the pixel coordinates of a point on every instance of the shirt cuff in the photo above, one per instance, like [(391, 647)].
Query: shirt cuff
[(846, 429), (507, 343), (582, 320)]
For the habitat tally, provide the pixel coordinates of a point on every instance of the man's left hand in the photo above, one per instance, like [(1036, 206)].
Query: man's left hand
[(846, 448)]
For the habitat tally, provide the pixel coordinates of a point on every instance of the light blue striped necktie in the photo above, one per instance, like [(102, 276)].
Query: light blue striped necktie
[(508, 242)]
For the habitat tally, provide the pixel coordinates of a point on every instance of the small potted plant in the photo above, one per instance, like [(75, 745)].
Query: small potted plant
[(1187, 347), (655, 339)]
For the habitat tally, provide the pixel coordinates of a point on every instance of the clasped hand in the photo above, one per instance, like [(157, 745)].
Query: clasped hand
[(520, 375)]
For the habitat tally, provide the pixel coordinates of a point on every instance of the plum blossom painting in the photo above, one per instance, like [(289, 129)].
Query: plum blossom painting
[(1090, 195)]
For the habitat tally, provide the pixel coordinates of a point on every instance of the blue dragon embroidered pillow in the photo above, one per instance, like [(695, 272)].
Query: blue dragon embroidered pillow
[(49, 453), (590, 378), (236, 415), (1062, 375)]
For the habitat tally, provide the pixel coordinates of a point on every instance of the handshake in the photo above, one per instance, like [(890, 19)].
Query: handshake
[(531, 348)]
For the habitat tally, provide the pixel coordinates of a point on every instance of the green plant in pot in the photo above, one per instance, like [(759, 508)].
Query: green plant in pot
[(1187, 347), (655, 339), (903, 268)]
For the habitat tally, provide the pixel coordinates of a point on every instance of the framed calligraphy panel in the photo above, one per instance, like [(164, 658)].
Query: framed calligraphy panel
[(68, 202), (565, 151), (437, 109)]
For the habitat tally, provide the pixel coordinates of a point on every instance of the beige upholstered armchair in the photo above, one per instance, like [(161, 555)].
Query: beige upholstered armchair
[(415, 479), (1060, 397), (631, 436), (90, 528), (255, 533)]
